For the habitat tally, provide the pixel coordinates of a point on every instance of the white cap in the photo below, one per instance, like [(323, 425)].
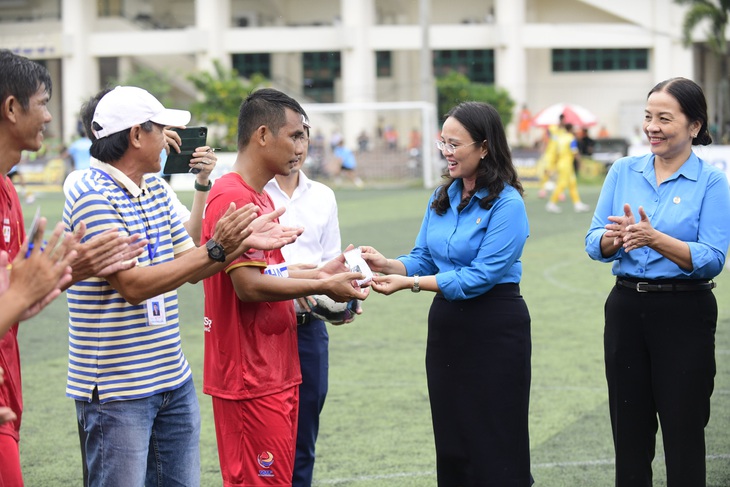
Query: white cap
[(127, 106)]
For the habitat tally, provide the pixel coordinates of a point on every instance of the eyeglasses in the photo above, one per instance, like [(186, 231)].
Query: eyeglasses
[(450, 148)]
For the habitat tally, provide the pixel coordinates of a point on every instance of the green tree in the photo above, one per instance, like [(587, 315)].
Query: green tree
[(715, 15), (155, 82), (221, 94), (455, 88)]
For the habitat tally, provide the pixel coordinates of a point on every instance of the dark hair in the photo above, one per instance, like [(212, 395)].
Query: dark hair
[(483, 123), (691, 101), (22, 78), (111, 148), (87, 112), (267, 107)]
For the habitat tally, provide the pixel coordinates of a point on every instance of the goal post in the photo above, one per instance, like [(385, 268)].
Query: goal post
[(380, 157)]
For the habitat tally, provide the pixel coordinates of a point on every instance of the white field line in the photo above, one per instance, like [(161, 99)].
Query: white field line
[(581, 464), (548, 275)]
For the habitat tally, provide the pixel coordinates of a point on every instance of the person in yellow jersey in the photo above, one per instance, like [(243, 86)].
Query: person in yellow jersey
[(546, 163), (567, 151)]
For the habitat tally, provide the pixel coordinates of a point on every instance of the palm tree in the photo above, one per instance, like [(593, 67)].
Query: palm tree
[(715, 14)]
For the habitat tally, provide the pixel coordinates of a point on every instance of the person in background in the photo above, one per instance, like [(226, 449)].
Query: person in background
[(586, 144), (25, 90), (567, 153), (662, 222), (251, 366), (79, 150), (141, 423), (524, 125), (363, 142), (390, 134), (468, 253), (347, 163), (312, 205)]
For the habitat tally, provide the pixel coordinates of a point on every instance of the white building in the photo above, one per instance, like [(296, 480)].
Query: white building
[(602, 55)]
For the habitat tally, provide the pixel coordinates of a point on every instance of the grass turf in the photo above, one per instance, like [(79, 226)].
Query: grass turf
[(375, 428)]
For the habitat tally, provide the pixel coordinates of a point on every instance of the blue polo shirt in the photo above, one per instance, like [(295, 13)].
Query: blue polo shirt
[(692, 205), (471, 251)]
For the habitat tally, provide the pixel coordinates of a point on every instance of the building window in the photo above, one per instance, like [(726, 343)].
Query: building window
[(568, 60), (477, 65), (319, 72), (249, 64), (383, 63)]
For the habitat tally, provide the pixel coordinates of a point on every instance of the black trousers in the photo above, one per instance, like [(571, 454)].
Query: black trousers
[(660, 361), (478, 370)]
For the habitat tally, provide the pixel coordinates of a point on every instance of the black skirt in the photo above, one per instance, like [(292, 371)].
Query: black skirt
[(478, 369)]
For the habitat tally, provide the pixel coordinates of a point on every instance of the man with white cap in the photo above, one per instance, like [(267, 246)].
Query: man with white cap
[(135, 398)]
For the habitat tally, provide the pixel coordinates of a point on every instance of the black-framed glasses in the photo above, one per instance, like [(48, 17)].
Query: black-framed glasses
[(450, 148)]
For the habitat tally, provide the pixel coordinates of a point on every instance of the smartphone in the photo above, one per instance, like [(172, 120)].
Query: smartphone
[(192, 138)]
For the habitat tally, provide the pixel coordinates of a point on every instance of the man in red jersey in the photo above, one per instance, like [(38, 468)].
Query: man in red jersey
[(251, 359)]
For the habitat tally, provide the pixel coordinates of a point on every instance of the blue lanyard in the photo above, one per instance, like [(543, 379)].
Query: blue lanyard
[(151, 250)]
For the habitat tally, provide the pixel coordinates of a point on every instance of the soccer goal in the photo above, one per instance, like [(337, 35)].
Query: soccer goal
[(393, 142)]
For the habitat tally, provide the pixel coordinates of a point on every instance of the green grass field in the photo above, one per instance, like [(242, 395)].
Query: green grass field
[(376, 428)]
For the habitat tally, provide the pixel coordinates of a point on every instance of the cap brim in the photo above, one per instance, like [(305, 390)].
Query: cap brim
[(171, 117)]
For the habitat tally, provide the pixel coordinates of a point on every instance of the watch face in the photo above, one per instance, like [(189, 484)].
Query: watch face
[(215, 251)]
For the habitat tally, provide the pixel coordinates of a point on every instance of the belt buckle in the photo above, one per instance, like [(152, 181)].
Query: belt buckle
[(639, 289)]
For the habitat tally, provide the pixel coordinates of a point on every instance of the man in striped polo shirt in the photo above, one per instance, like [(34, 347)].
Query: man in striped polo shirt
[(135, 398)]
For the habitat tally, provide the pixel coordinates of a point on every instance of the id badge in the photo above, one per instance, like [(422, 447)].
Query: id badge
[(156, 311), (278, 270)]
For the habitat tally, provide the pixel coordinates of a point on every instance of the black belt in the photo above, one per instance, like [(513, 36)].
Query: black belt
[(304, 318), (665, 287)]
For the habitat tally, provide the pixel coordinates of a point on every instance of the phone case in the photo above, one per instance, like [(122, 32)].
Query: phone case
[(192, 138)]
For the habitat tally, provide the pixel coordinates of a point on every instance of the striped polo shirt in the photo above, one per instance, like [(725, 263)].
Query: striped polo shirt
[(112, 346)]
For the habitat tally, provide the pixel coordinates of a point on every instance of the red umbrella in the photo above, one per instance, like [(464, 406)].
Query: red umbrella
[(574, 114)]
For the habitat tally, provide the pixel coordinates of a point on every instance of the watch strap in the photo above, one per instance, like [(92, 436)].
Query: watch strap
[(200, 187), (416, 286)]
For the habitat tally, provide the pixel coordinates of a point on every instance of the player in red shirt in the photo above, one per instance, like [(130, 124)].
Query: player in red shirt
[(251, 359)]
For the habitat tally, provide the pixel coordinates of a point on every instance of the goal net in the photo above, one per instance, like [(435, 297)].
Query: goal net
[(393, 142)]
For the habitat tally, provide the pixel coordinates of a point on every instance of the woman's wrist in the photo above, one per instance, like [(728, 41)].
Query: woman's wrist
[(203, 186)]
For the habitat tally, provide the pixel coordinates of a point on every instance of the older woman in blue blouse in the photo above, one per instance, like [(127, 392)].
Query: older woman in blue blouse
[(478, 352), (662, 221)]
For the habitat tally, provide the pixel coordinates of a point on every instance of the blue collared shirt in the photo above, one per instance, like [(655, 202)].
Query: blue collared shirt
[(471, 251), (692, 205)]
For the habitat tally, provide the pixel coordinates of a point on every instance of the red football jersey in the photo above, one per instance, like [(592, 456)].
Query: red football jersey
[(11, 393), (250, 348)]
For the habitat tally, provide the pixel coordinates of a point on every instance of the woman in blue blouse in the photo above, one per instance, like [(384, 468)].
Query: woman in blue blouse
[(478, 352), (662, 220)]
